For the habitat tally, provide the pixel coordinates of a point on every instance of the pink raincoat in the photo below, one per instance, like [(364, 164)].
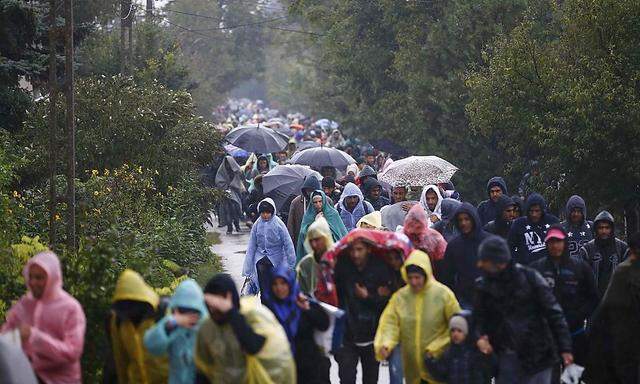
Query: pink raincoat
[(430, 241), (57, 325)]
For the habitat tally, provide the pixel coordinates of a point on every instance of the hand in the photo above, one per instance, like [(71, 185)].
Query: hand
[(384, 291), (303, 302), (186, 320), (384, 353), (567, 359), (484, 346), (361, 291), (434, 218), (25, 332), (407, 206), (222, 304)]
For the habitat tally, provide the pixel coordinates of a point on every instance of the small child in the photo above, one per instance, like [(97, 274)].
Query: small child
[(461, 363)]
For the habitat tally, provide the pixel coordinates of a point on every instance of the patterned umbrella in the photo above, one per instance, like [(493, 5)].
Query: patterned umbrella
[(419, 171), (254, 138), (323, 157), (381, 243)]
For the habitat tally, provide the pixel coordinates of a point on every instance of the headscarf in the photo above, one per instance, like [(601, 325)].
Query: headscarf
[(422, 237), (423, 201), (286, 311), (338, 230), (352, 168)]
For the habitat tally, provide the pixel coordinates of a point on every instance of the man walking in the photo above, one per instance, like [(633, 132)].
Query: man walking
[(579, 229), (496, 187), (527, 233)]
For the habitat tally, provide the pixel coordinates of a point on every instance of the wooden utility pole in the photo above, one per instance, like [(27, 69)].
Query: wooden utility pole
[(53, 120), (149, 14), (70, 126), (126, 36)]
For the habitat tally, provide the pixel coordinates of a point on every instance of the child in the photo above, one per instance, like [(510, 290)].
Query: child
[(462, 363)]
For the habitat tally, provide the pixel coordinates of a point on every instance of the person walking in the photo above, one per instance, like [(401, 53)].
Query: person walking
[(488, 210), (50, 322), (352, 206), (229, 179), (175, 335), (431, 201), (416, 228), (318, 240), (579, 229), (527, 233), (573, 285), (417, 317), (604, 252), (505, 215), (445, 226), (300, 204), (373, 194), (269, 246), (320, 206), (393, 215), (518, 318)]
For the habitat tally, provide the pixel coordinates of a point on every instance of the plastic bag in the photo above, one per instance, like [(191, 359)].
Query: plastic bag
[(249, 288), (572, 374), (331, 339)]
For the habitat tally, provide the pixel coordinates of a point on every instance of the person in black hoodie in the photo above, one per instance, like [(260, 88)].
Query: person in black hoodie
[(527, 233), (518, 318), (505, 214), (446, 226), (459, 269), (579, 229), (496, 187), (373, 194), (573, 285), (605, 251)]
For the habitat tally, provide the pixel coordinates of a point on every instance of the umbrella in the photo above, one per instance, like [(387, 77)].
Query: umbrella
[(381, 243), (307, 144), (235, 151), (323, 157), (326, 124), (285, 180), (419, 171), (254, 138)]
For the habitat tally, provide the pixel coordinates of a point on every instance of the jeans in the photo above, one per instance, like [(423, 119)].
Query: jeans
[(347, 357), (395, 366), (510, 371)]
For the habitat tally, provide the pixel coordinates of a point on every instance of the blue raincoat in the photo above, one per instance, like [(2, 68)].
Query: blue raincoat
[(350, 219), (180, 343), (271, 239)]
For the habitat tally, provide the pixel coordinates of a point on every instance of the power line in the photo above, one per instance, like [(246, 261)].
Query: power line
[(242, 25), (295, 31)]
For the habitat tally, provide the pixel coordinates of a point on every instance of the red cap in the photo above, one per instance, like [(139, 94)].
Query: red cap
[(555, 233)]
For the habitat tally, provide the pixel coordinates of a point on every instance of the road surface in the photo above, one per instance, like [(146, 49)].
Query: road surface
[(231, 250)]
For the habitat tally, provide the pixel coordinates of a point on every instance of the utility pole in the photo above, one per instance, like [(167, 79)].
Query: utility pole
[(70, 126), (149, 14), (53, 120), (126, 21)]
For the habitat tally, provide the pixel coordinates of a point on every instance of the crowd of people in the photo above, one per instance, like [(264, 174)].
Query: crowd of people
[(414, 276)]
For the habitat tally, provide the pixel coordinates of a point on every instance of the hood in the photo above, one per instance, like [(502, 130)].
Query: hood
[(369, 184), (269, 201), (350, 190), (535, 199), (319, 228), (48, 261), (473, 213), (497, 181), (503, 202), (352, 168), (311, 182), (449, 207), (574, 202), (604, 216), (423, 199), (233, 164), (188, 294), (222, 283), (420, 259), (416, 223), (289, 276), (374, 219), (367, 171), (131, 286)]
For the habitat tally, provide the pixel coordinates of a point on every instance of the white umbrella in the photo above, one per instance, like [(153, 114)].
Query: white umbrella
[(419, 171)]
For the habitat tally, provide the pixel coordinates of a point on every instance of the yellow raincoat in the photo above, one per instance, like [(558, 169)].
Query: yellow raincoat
[(220, 358), (373, 220), (134, 364), (307, 269), (419, 322)]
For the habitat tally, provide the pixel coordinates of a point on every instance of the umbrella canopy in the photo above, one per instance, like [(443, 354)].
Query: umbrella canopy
[(285, 180), (235, 151), (419, 171), (323, 157), (254, 138), (307, 144), (381, 243)]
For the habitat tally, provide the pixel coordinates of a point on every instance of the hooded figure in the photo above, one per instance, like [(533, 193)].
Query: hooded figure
[(446, 226), (258, 169), (133, 312), (244, 345), (362, 207), (368, 173), (603, 254), (422, 237), (286, 310), (57, 324), (168, 338), (309, 269), (393, 215), (499, 226), (417, 321), (373, 194), (229, 179), (338, 230), (269, 239), (336, 140), (578, 233), (526, 236), (459, 269), (299, 206), (488, 208), (371, 221), (437, 210)]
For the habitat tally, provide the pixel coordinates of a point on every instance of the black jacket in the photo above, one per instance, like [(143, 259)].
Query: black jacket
[(381, 201), (312, 365), (446, 226), (526, 238), (518, 311), (580, 234), (487, 209), (498, 226), (573, 285), (461, 364)]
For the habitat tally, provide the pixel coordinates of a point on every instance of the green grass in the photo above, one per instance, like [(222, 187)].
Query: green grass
[(213, 238)]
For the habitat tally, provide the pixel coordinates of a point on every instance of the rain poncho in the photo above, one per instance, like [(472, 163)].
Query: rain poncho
[(374, 219), (220, 358), (422, 237), (271, 239), (134, 363), (350, 219), (423, 201), (338, 230), (229, 179), (180, 342), (419, 322), (308, 270), (287, 311), (57, 325), (336, 142)]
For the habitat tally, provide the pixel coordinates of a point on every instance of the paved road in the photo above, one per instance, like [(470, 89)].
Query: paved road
[(232, 249)]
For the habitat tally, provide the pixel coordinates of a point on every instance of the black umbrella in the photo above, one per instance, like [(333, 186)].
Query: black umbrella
[(323, 157), (307, 144), (254, 138)]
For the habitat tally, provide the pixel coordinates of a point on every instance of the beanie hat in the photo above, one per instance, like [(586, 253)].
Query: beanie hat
[(494, 249), (459, 322)]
